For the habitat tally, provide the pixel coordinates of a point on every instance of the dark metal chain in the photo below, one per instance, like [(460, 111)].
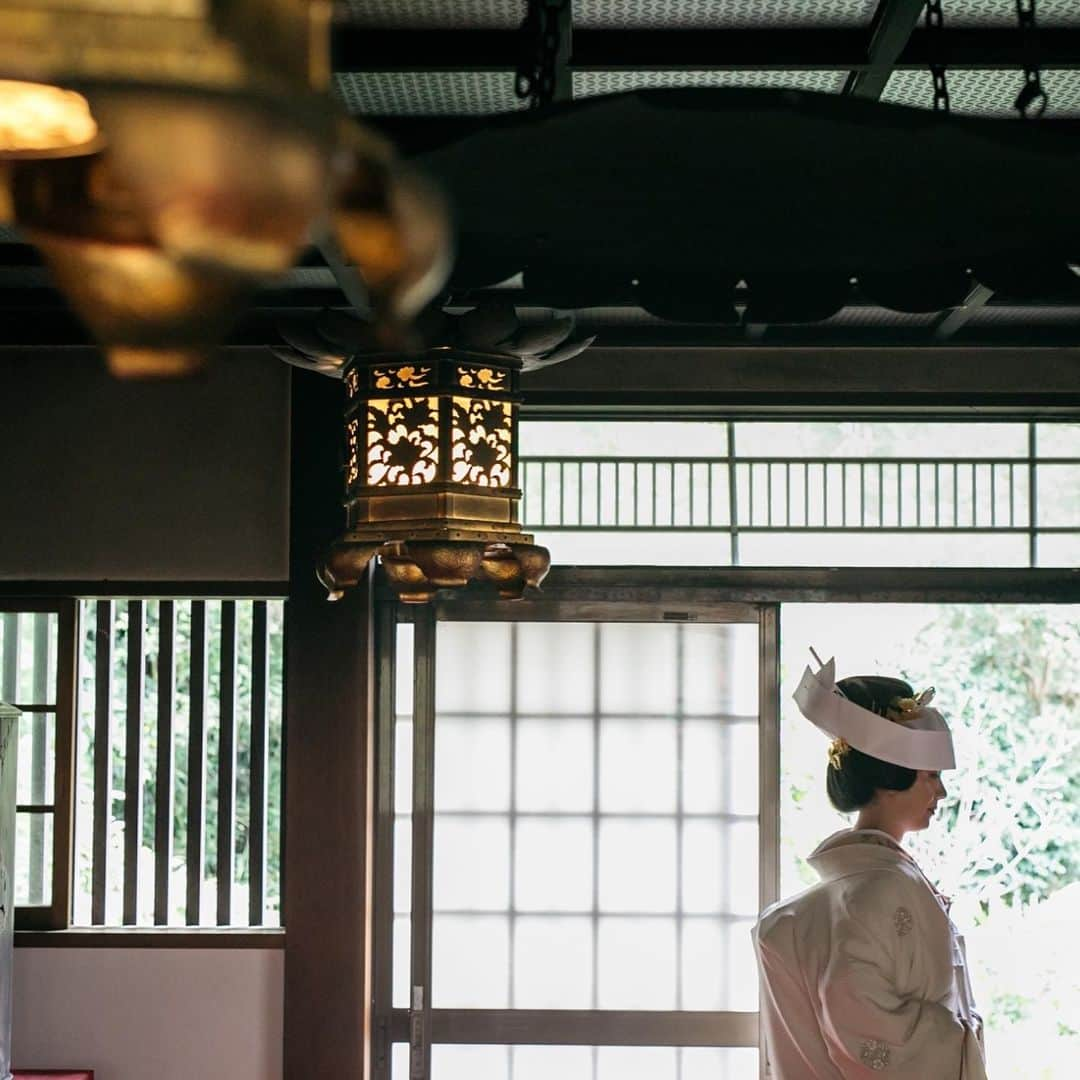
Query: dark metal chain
[(1031, 101), (935, 22), (540, 35)]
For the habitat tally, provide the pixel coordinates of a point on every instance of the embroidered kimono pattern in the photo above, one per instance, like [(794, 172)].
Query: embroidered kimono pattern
[(864, 974)]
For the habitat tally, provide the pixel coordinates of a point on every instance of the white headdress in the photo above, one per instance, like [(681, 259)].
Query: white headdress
[(918, 739)]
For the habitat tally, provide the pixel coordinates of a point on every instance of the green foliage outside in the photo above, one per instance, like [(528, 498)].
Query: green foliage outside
[(182, 684)]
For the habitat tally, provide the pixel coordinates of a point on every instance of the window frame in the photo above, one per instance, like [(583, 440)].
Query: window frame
[(52, 926), (613, 602), (55, 915)]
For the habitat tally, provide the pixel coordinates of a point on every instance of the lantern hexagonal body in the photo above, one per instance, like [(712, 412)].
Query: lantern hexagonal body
[(431, 473)]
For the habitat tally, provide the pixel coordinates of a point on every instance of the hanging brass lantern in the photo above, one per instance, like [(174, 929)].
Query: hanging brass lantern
[(431, 446), (431, 475)]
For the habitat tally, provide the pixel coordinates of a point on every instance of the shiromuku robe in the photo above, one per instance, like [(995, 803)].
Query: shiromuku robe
[(864, 973)]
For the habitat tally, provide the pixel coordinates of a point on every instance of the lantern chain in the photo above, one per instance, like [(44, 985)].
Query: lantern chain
[(541, 38), (1032, 100), (935, 22)]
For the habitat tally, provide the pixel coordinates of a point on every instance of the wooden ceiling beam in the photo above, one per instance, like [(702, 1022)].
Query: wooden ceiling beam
[(894, 22), (856, 49)]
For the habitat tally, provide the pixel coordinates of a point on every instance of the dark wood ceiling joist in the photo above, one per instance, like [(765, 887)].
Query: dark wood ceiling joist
[(358, 49)]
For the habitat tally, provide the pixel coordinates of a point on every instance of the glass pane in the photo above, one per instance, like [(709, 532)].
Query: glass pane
[(470, 962), (553, 864), (720, 767), (554, 765), (719, 1063), (719, 670), (571, 652), (636, 1063), (37, 758), (638, 865), (472, 864), (720, 868), (637, 959), (638, 669), (402, 962), (28, 657), (472, 769), (473, 672), (719, 971), (402, 779), (553, 962), (1058, 549), (33, 859), (889, 549), (875, 439), (469, 1063), (1059, 440), (547, 1062), (1059, 495), (638, 766), (608, 547)]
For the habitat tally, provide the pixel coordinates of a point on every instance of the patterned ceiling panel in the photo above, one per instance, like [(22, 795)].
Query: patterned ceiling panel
[(875, 316), (590, 83), (1003, 12), (437, 14), (427, 93), (686, 14), (1026, 316), (986, 93)]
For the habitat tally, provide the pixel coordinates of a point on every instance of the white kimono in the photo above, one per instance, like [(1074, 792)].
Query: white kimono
[(864, 973)]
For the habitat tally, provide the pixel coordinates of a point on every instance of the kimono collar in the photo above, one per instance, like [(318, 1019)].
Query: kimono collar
[(852, 850)]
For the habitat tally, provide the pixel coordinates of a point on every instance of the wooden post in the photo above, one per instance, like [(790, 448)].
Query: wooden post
[(328, 713)]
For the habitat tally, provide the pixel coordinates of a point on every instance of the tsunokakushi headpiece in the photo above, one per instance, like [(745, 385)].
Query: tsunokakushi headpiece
[(911, 734)]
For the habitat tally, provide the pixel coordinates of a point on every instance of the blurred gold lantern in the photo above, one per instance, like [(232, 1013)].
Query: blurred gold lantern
[(431, 475), (217, 154)]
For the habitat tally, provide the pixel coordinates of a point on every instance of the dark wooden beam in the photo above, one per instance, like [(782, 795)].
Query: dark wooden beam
[(328, 711), (895, 380), (584, 585), (893, 24), (859, 49)]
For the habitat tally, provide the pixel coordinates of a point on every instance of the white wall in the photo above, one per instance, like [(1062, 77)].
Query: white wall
[(150, 1013)]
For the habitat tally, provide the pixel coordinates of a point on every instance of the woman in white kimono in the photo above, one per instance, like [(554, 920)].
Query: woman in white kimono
[(864, 973)]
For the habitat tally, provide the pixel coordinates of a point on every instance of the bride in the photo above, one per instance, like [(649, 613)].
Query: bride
[(865, 972)]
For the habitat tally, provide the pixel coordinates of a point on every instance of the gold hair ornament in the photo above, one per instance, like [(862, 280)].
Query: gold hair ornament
[(903, 710), (838, 750)]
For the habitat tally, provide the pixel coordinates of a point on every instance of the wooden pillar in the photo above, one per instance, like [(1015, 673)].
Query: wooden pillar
[(327, 763)]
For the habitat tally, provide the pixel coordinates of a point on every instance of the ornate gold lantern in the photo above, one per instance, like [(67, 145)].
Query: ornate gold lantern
[(170, 157), (431, 474), (431, 447)]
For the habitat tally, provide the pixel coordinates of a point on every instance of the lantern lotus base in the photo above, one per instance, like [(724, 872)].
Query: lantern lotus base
[(418, 568)]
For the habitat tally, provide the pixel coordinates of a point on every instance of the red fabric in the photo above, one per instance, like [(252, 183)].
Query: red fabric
[(55, 1074)]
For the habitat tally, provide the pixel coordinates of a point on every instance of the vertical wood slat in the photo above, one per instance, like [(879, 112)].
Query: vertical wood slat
[(258, 757), (226, 764), (38, 754), (380, 932), (422, 844), (165, 778), (67, 667), (196, 826), (102, 760), (133, 772)]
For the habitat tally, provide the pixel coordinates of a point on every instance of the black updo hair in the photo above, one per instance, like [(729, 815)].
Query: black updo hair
[(853, 785)]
